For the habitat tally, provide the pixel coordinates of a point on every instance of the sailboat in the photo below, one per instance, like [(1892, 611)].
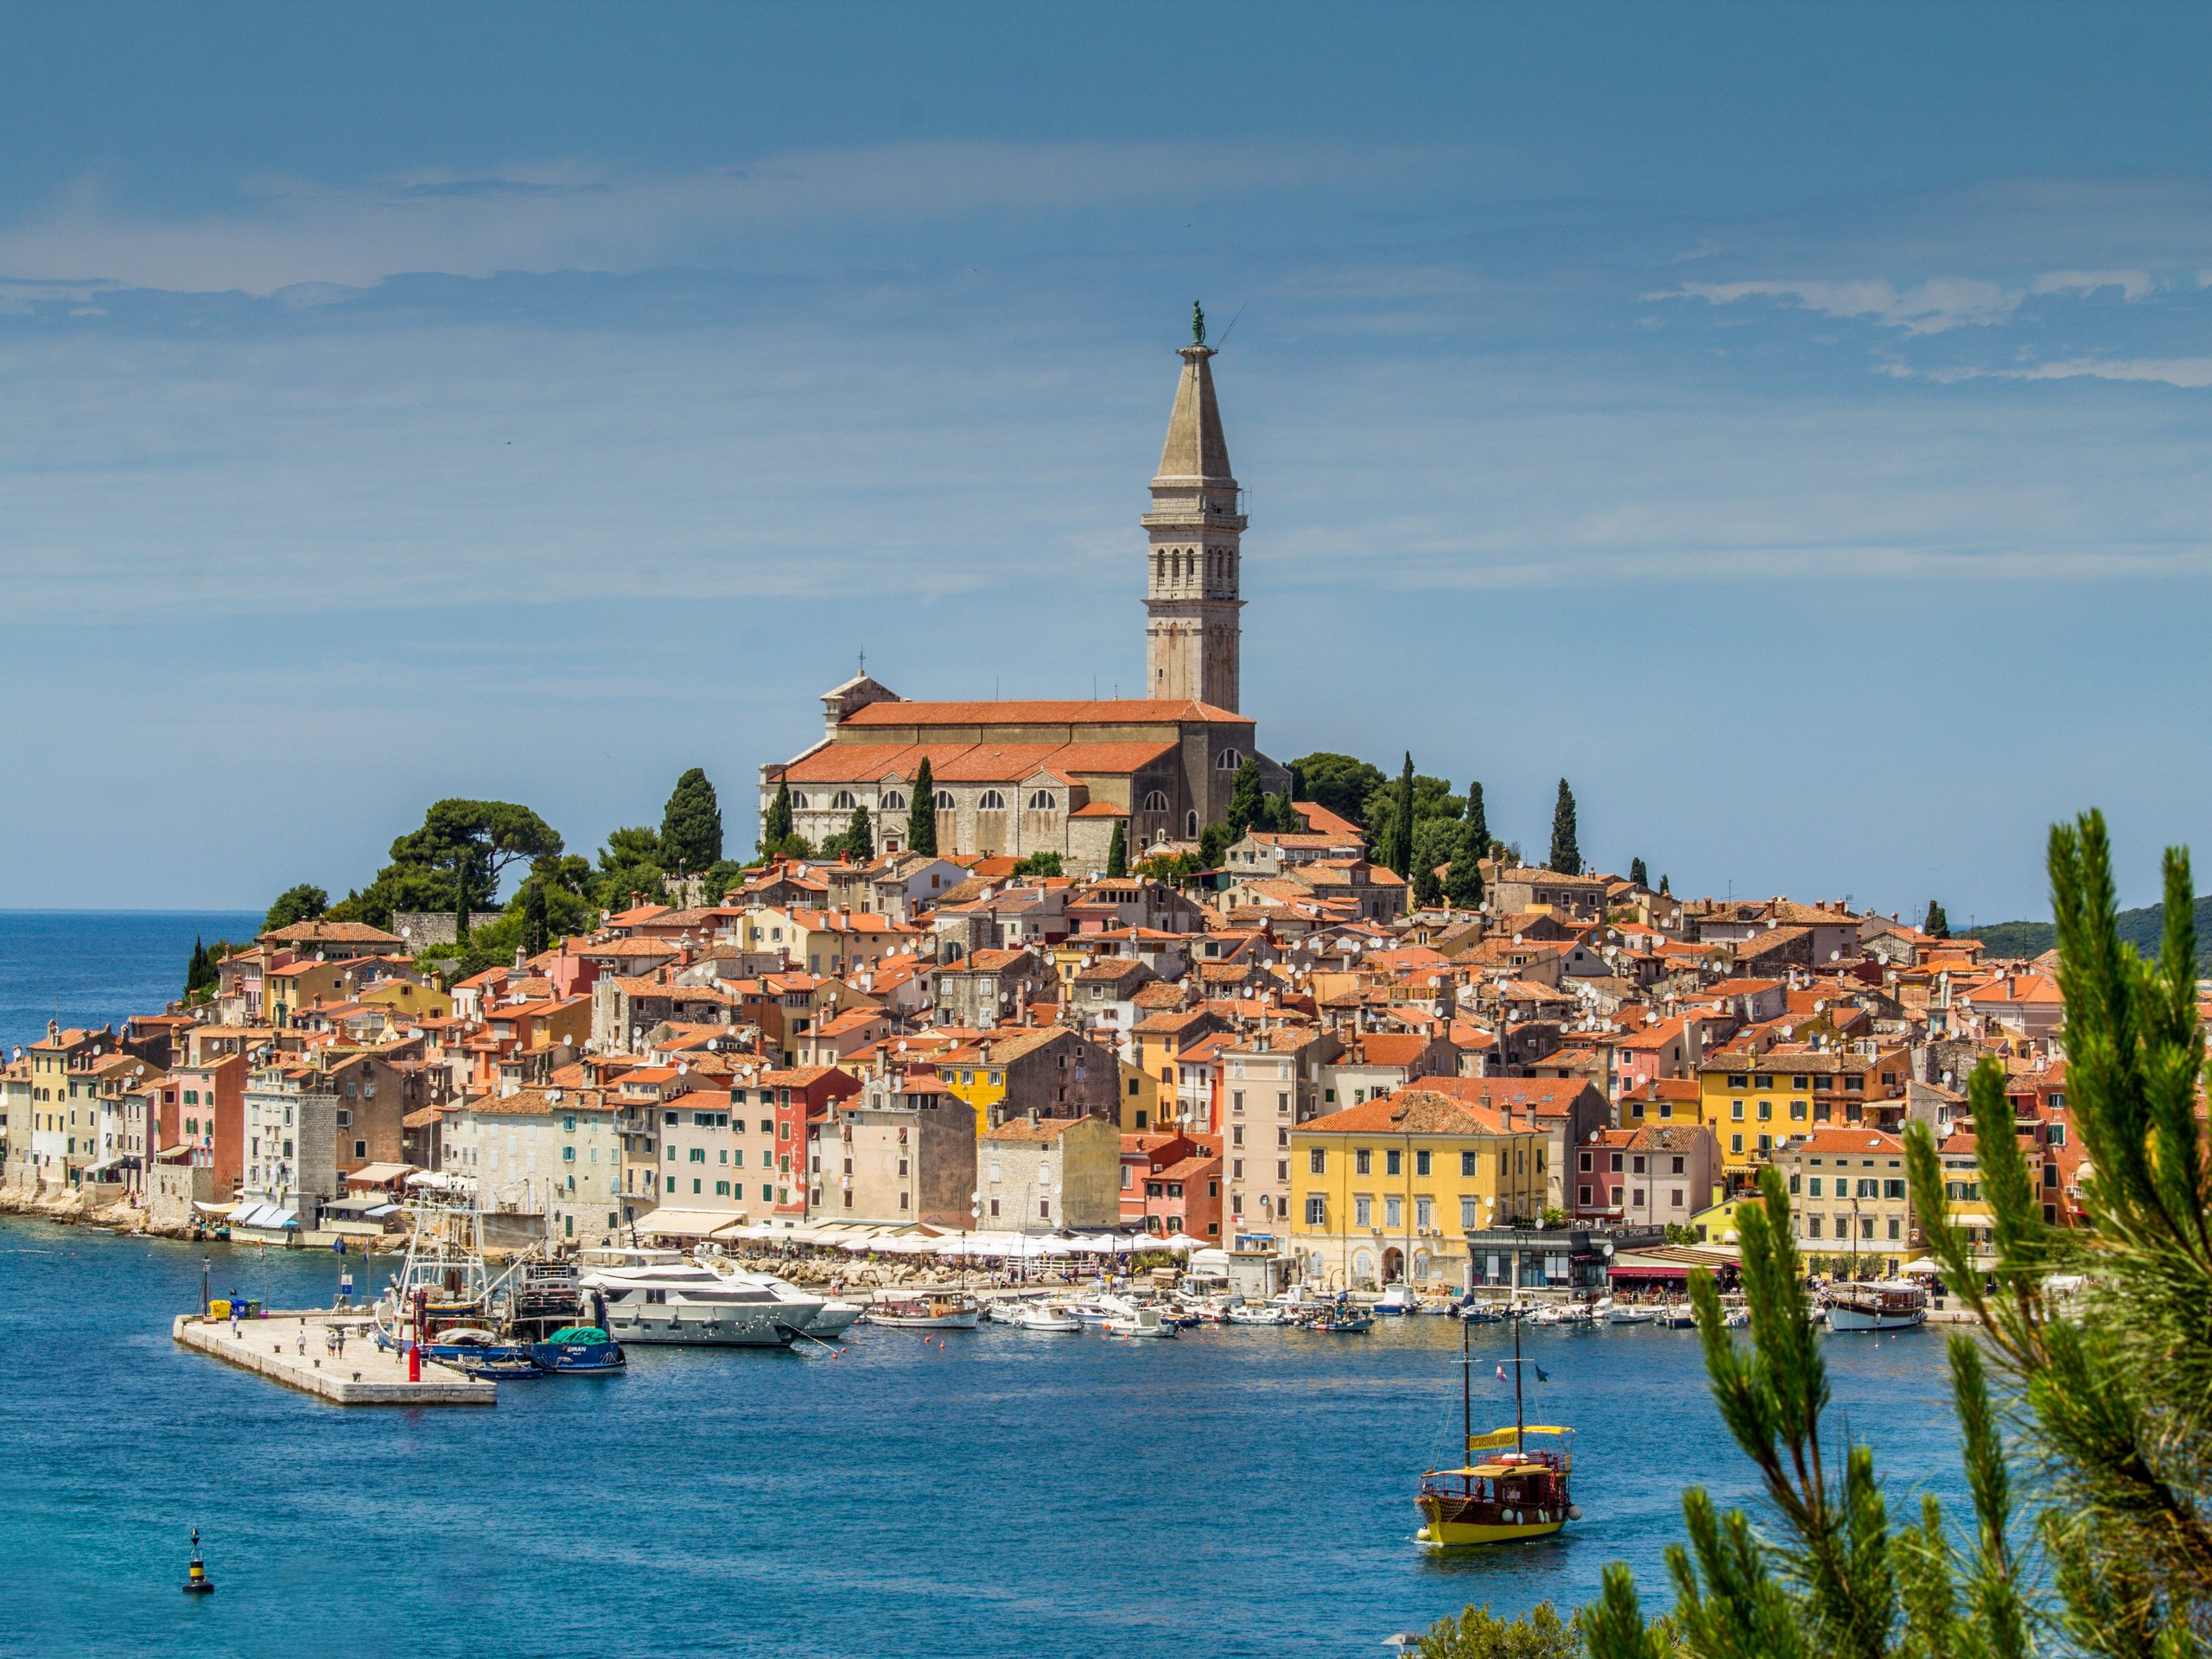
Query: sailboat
[(1507, 1496)]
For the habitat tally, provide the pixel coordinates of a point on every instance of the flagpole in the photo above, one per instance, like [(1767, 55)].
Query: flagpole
[(1466, 1390)]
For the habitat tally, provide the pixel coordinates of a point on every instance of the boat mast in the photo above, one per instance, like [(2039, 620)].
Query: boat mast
[(1466, 1391), (1519, 1431)]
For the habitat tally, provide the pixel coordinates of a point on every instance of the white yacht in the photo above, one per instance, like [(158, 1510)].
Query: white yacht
[(676, 1302)]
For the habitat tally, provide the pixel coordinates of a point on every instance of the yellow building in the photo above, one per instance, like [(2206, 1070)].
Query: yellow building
[(1140, 1100), (408, 1001), (1755, 1103), (1389, 1190)]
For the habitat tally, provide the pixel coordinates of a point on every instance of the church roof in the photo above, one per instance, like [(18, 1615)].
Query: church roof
[(969, 763), (1115, 711), (1195, 449)]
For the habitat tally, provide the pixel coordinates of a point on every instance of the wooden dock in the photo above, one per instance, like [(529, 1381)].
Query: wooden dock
[(292, 1349)]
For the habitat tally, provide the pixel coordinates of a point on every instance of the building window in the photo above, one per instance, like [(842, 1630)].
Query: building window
[(1393, 1211), (1467, 1215), (1316, 1160), (1424, 1214), (945, 804), (1362, 1161), (1363, 1212), (1228, 760), (893, 801), (1467, 1163), (1394, 1162), (1317, 1212), (798, 801), (1421, 1163), (991, 801), (1042, 801)]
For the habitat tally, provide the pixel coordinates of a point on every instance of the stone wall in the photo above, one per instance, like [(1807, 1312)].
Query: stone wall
[(425, 928)]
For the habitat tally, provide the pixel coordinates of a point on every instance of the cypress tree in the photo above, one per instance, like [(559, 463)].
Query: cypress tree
[(1477, 823), (1287, 817), (1938, 925), (921, 812), (1637, 874), (692, 826), (1567, 853), (1117, 854), (200, 971), (777, 826), (1398, 847), (1213, 841), (860, 837), (1665, 892), (534, 926), (1246, 804)]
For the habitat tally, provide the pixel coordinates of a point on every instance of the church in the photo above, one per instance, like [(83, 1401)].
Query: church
[(1017, 778)]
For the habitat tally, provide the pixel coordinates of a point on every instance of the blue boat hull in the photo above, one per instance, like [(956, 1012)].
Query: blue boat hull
[(579, 1358)]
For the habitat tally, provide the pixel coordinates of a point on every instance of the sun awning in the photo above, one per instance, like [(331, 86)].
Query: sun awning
[(380, 1174), (266, 1217), (668, 1223)]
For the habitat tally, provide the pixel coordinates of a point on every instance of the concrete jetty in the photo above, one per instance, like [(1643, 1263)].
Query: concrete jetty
[(363, 1375)]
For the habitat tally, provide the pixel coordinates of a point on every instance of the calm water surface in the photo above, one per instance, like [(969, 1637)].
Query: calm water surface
[(1238, 1492), (89, 967)]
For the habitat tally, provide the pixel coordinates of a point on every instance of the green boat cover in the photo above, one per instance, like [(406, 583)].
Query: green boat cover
[(578, 1334)]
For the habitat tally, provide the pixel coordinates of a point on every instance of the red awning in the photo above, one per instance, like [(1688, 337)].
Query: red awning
[(1651, 1272)]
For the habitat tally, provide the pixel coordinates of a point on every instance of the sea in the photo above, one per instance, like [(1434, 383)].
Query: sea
[(93, 967), (1007, 1495)]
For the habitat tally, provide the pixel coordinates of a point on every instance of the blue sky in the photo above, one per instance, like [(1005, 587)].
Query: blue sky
[(1789, 426)]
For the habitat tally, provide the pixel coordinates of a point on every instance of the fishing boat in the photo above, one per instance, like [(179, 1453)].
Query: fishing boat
[(480, 1353), (953, 1313), (1508, 1494), (1342, 1318), (1481, 1312), (441, 1298), (1398, 1299), (1877, 1306), (1675, 1316), (1628, 1313), (1041, 1316), (579, 1351), (1256, 1313), (1091, 1311), (1135, 1321)]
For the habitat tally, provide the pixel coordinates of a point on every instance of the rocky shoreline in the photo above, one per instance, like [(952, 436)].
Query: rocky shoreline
[(71, 1208)]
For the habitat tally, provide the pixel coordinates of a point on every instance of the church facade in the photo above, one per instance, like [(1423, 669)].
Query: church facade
[(1022, 777)]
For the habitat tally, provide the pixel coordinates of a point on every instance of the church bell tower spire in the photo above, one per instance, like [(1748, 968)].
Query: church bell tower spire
[(1196, 528)]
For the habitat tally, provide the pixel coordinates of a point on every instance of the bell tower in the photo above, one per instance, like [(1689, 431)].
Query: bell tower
[(1196, 528)]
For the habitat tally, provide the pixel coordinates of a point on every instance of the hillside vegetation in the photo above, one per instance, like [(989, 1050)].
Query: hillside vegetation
[(2141, 928)]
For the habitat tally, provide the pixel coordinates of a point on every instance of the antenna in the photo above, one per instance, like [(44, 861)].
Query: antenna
[(1231, 328)]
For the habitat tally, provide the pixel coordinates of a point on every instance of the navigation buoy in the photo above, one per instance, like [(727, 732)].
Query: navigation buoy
[(196, 1582)]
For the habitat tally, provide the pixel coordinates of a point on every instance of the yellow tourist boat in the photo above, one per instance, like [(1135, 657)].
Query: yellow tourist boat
[(1507, 1496)]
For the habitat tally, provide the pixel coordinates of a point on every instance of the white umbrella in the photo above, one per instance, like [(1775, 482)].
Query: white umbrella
[(1182, 1243), (1925, 1267)]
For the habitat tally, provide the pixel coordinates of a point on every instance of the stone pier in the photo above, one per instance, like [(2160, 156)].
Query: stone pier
[(363, 1375)]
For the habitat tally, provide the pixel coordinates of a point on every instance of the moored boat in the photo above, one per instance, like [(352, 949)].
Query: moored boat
[(1041, 1316), (1883, 1306), (1628, 1313), (1505, 1493), (679, 1304), (949, 1312), (1133, 1321), (579, 1351), (1398, 1299)]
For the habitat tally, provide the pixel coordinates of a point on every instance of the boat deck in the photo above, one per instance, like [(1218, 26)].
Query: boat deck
[(365, 1376)]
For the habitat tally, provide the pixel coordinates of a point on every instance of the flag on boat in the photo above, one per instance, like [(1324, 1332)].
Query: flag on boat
[(1500, 1372), (1541, 1375)]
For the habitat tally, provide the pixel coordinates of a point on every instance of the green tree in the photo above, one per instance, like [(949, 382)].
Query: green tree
[(199, 972), (857, 844), (1665, 891), (303, 902), (2110, 1399), (691, 825), (1040, 864), (1117, 854), (777, 825), (1283, 816), (1246, 802), (921, 812), (1338, 782), (1567, 852), (1478, 822), (1213, 842), (1428, 891), (1937, 924), (1462, 883), (630, 864), (1637, 874), (455, 862), (1398, 850), (535, 928), (1476, 1634)]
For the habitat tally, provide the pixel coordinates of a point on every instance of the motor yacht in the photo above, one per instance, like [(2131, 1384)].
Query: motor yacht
[(677, 1303)]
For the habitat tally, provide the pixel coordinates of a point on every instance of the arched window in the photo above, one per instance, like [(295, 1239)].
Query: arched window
[(1190, 825), (798, 802), (1041, 801), (1156, 802), (893, 801), (844, 801), (945, 800), (992, 802), (1228, 760)]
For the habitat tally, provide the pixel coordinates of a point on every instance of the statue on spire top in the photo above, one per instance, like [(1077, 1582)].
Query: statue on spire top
[(1198, 324)]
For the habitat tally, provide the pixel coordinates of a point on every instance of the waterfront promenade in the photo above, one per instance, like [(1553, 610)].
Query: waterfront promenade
[(293, 1348)]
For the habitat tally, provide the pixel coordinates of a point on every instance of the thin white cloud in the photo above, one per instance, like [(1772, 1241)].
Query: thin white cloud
[(2189, 372), (2133, 285), (286, 232), (1927, 307)]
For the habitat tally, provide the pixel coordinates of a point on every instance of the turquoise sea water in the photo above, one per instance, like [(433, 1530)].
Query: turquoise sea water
[(1236, 1492), (88, 968)]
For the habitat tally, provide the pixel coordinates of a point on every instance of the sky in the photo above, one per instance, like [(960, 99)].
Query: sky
[(1790, 425)]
